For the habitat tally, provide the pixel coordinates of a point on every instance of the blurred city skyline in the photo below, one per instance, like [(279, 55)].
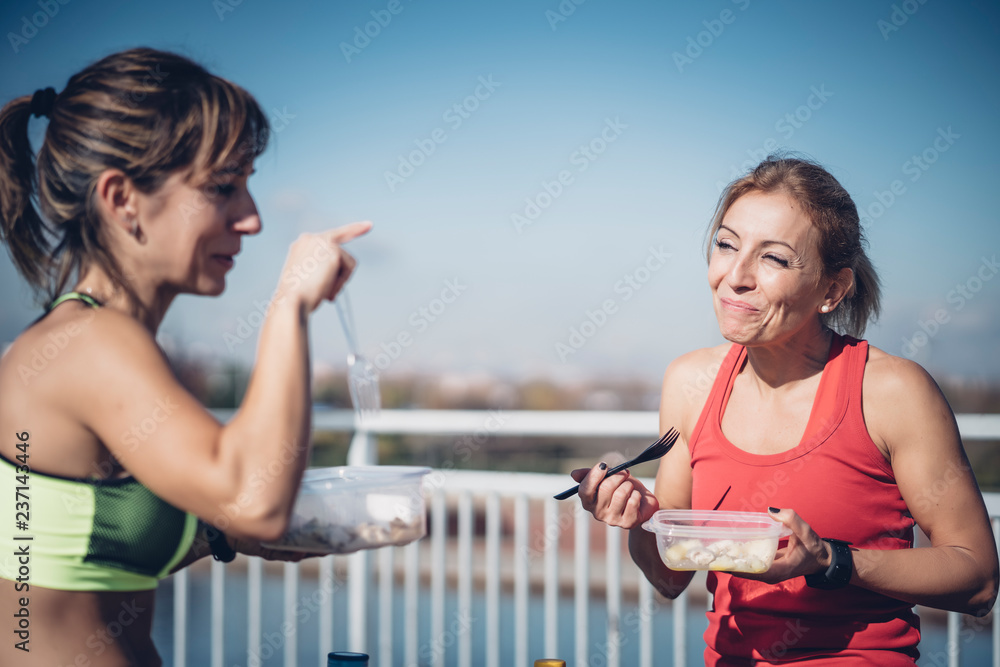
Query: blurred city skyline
[(541, 174)]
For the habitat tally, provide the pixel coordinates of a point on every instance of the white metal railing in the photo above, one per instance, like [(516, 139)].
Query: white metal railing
[(490, 489)]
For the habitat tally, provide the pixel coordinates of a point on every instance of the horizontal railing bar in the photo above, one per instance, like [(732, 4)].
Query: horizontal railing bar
[(567, 423), (531, 484)]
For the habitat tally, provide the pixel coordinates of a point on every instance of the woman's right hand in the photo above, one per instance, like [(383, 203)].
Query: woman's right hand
[(619, 500), (317, 266)]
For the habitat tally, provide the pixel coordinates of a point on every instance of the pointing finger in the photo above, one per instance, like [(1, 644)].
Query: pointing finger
[(348, 232)]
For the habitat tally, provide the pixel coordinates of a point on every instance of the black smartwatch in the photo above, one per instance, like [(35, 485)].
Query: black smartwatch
[(841, 567), (221, 551)]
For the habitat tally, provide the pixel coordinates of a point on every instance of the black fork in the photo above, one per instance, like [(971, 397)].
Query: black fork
[(651, 453)]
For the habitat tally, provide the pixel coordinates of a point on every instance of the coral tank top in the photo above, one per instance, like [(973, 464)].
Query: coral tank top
[(837, 480)]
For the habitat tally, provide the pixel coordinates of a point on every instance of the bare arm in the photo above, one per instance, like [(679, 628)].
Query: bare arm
[(241, 477), (910, 419), (622, 500), (959, 570)]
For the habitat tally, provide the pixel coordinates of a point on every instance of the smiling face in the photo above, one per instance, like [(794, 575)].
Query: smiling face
[(194, 229), (766, 272)]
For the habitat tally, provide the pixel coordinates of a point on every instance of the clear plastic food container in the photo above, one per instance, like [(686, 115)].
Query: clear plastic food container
[(349, 508), (723, 541)]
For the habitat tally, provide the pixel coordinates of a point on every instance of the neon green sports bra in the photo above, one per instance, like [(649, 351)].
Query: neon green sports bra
[(89, 534)]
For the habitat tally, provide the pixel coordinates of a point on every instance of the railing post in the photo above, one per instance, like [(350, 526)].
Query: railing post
[(361, 452), (218, 612), (291, 582), (613, 593), (327, 584), (439, 524), (180, 617), (521, 583), (646, 608), (385, 581), (493, 580), (552, 533), (357, 600), (582, 583), (680, 608), (255, 580)]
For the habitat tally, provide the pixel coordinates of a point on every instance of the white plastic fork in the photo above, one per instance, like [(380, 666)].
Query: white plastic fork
[(362, 376)]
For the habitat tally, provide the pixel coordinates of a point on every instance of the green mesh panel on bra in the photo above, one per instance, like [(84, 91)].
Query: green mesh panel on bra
[(134, 530)]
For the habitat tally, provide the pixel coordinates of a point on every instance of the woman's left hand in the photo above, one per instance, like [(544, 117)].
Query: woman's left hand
[(805, 553)]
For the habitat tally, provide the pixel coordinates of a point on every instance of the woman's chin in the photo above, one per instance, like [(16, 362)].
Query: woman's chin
[(213, 287), (740, 335)]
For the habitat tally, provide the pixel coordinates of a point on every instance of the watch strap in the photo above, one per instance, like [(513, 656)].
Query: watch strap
[(217, 542), (838, 574)]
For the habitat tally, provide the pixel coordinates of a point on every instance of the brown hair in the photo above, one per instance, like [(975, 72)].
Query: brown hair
[(147, 113), (832, 211)]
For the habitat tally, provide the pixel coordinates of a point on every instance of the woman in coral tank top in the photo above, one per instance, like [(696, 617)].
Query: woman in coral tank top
[(838, 440)]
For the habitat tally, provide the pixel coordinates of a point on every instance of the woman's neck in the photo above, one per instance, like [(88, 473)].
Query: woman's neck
[(144, 302), (797, 358)]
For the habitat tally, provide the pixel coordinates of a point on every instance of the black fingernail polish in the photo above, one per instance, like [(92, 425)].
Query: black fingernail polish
[(603, 466), (773, 510)]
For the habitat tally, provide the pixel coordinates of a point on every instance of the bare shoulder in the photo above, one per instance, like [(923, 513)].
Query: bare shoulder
[(899, 395), (693, 373), (63, 353), (892, 378), (687, 382)]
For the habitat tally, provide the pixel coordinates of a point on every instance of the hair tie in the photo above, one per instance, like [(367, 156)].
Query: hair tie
[(42, 102)]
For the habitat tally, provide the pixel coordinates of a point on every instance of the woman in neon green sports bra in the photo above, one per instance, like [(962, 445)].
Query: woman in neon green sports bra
[(142, 181)]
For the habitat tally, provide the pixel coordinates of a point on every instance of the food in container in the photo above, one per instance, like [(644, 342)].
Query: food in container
[(349, 508), (723, 541)]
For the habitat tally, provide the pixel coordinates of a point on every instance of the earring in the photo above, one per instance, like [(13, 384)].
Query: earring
[(824, 309)]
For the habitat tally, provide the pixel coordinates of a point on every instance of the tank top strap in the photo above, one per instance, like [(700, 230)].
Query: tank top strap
[(74, 296), (854, 419), (713, 404)]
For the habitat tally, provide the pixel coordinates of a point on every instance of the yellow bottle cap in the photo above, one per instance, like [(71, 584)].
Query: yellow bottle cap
[(550, 662)]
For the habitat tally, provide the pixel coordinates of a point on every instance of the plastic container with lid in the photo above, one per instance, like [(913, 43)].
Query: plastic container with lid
[(348, 508), (723, 541)]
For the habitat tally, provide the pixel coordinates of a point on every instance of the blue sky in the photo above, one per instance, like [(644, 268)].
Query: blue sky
[(667, 101)]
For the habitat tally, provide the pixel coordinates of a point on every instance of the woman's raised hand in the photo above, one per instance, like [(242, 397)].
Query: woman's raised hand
[(619, 500), (317, 266)]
